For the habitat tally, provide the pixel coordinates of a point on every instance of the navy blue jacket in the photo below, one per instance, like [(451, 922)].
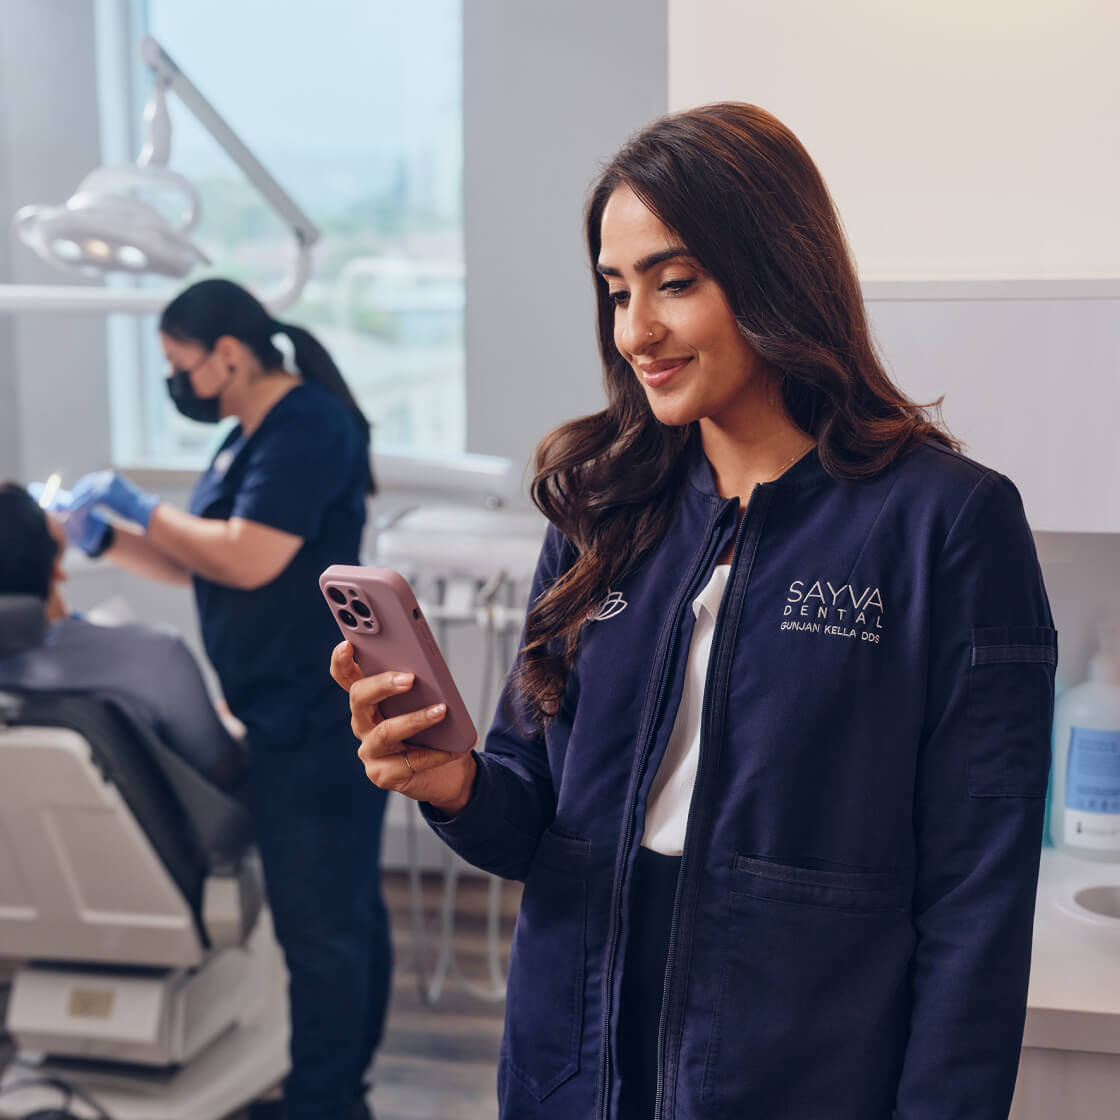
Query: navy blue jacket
[(852, 930)]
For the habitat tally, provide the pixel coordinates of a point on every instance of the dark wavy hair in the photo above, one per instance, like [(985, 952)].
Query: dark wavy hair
[(206, 311), (743, 195)]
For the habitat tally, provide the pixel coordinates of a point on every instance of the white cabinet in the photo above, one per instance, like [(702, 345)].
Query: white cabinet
[(1070, 1068), (1030, 372)]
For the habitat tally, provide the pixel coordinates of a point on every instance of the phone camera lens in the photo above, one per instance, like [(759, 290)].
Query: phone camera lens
[(368, 625), (348, 618), (360, 609), (337, 595)]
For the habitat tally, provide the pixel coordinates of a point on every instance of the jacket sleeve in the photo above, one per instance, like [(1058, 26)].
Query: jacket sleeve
[(980, 788), (514, 799)]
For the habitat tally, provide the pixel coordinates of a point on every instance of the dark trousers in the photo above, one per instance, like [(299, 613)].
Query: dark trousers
[(318, 822), (643, 981)]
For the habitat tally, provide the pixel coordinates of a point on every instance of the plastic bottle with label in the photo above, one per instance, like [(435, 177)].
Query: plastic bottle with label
[(1085, 806)]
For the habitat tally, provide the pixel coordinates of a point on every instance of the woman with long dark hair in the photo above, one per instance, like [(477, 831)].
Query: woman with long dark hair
[(283, 498), (772, 758)]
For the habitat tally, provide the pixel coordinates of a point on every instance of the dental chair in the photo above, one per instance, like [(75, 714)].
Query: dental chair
[(129, 888)]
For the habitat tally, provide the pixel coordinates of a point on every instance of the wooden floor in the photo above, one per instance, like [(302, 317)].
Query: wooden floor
[(439, 1063), (435, 1063)]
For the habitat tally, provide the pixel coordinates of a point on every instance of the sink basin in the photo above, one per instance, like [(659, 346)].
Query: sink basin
[(1099, 902)]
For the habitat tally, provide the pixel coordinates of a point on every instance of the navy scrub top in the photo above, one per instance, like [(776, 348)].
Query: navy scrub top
[(304, 471)]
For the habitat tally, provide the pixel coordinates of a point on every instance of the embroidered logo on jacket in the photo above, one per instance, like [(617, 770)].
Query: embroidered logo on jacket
[(613, 604), (836, 612)]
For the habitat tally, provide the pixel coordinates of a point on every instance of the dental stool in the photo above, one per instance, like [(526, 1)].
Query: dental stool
[(129, 887)]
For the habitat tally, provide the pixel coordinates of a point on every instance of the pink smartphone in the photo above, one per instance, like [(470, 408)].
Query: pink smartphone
[(378, 615)]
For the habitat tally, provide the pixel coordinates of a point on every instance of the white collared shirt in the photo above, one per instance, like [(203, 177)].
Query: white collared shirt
[(667, 808)]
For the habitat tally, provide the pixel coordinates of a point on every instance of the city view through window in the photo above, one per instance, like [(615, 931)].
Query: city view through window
[(354, 106)]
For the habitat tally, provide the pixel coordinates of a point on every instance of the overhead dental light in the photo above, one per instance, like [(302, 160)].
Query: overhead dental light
[(105, 228), (138, 218)]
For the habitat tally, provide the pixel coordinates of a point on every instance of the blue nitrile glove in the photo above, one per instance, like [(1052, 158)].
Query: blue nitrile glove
[(88, 530), (114, 492)]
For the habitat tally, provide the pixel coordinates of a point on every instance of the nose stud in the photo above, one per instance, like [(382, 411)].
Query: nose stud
[(651, 334)]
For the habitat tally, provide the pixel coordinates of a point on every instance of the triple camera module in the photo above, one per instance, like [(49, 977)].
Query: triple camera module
[(353, 612)]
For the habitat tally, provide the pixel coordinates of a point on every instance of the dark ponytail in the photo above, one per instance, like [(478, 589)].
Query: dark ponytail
[(315, 364), (206, 311)]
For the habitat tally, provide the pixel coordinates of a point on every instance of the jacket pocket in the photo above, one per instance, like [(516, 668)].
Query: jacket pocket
[(832, 889), (812, 985), (1010, 706), (544, 1008)]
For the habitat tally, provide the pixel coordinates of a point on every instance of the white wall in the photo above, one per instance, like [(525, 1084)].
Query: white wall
[(11, 444), (551, 90), (1080, 571), (959, 137), (1031, 385), (53, 375)]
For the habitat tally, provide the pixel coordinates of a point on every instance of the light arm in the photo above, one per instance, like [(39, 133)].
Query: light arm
[(134, 552), (235, 553)]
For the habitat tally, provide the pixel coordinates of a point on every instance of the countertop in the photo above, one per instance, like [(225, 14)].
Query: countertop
[(1074, 997)]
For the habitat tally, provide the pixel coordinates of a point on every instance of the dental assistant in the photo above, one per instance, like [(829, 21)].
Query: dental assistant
[(283, 498)]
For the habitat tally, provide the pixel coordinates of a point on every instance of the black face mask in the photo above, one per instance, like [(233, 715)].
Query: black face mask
[(203, 409)]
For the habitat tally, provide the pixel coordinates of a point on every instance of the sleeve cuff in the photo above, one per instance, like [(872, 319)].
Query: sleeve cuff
[(145, 507), (484, 830), (465, 820), (104, 543), (499, 828)]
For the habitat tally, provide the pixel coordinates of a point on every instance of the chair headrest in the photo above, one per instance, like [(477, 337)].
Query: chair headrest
[(23, 623)]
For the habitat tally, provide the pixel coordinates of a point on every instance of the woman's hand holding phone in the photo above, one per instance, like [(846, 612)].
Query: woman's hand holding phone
[(441, 778)]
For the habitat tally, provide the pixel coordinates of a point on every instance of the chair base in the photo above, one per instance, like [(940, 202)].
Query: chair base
[(233, 1070)]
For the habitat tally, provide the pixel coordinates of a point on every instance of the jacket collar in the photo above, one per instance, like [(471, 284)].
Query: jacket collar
[(806, 471)]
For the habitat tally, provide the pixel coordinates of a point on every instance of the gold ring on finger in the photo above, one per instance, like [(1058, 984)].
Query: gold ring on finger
[(411, 772)]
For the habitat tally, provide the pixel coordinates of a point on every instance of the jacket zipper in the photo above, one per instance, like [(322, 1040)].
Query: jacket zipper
[(628, 836), (705, 725)]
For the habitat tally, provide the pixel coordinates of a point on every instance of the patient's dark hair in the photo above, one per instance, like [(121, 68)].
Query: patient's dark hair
[(27, 549), (210, 309)]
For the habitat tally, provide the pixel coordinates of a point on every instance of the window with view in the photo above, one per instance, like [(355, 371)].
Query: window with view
[(355, 107)]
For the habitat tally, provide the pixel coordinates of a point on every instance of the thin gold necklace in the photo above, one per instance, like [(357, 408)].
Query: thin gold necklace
[(791, 460)]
